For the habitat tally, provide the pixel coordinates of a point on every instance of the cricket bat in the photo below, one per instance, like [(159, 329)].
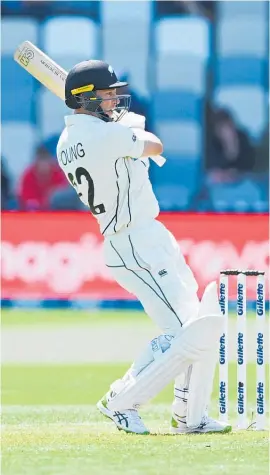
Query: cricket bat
[(48, 73), (43, 68)]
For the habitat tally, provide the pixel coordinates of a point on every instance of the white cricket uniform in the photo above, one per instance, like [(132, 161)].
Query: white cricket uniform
[(102, 161)]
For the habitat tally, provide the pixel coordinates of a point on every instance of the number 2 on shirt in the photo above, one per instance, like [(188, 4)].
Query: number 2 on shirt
[(79, 173)]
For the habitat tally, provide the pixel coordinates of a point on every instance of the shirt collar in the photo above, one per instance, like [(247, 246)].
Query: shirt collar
[(79, 118)]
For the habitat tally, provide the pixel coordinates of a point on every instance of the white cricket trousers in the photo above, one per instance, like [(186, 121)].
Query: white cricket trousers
[(147, 262)]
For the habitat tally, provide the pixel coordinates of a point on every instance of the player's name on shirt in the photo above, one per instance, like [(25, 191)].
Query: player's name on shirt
[(72, 153)]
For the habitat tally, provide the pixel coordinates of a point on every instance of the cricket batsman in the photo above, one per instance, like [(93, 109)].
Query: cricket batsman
[(104, 152)]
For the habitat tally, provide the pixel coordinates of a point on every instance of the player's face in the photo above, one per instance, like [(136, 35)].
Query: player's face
[(110, 100)]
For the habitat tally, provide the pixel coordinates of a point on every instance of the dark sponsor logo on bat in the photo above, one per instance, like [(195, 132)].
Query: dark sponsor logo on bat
[(53, 69)]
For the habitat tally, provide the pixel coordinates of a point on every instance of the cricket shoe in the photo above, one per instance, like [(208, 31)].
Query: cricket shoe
[(127, 420), (208, 425)]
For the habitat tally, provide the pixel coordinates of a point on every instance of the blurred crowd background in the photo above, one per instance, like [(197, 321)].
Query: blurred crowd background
[(198, 71)]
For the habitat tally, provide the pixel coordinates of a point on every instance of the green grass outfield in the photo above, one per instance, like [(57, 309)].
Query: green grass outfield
[(85, 383), (33, 317), (71, 317), (50, 425), (68, 440)]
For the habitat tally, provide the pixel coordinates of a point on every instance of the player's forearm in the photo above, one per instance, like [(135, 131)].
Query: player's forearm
[(153, 145)]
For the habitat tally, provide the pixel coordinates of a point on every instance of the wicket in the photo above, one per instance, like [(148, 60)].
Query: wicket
[(241, 343)]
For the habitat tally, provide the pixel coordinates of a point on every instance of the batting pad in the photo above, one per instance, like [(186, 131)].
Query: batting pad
[(203, 371), (196, 340), (209, 304), (200, 387)]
